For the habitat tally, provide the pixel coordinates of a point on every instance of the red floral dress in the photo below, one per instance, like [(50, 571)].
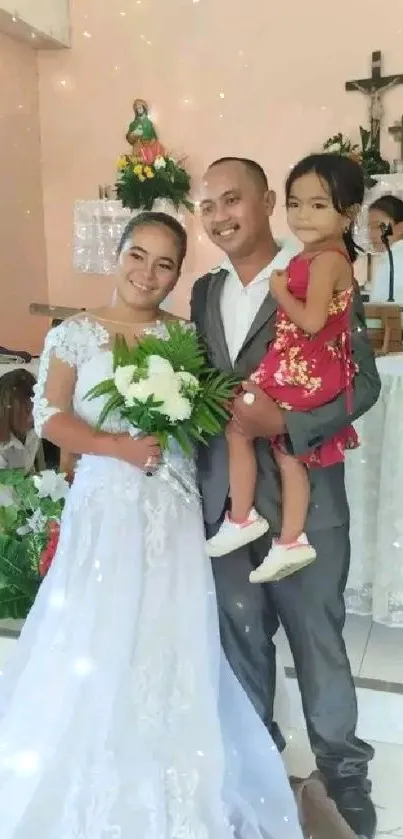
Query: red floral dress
[(302, 372)]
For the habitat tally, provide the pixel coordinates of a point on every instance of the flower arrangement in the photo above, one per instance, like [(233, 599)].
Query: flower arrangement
[(163, 387), (30, 512), (367, 154), (148, 174)]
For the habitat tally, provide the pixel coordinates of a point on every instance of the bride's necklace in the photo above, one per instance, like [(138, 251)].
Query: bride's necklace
[(130, 325)]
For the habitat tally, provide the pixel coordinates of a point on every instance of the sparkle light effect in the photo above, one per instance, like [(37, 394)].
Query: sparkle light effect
[(83, 666), (25, 763)]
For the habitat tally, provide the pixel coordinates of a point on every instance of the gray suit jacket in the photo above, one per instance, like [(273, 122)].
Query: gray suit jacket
[(329, 507)]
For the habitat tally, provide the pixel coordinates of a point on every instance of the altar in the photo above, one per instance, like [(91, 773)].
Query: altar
[(374, 488)]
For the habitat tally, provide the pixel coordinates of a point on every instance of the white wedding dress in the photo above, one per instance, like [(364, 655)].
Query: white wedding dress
[(119, 715)]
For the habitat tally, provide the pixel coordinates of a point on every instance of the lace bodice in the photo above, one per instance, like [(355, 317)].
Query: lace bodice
[(77, 355)]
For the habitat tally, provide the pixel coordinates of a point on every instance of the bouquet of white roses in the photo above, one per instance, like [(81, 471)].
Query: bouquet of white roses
[(30, 512), (163, 387)]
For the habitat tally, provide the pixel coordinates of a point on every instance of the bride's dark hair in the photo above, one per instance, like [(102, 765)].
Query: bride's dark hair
[(152, 218)]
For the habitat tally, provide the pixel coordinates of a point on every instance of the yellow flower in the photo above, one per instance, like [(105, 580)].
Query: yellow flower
[(121, 162), (141, 178), (148, 172), (138, 169)]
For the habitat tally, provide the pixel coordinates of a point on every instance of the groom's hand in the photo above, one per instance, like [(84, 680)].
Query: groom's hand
[(262, 418)]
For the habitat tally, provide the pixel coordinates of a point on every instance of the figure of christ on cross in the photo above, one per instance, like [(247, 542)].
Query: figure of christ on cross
[(375, 87)]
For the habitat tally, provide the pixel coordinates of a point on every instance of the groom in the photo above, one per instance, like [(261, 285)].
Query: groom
[(235, 315)]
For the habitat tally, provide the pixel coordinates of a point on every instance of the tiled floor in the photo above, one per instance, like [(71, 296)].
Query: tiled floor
[(376, 653)]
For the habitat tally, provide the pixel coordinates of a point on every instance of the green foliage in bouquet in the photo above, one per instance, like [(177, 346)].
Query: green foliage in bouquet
[(140, 184), (30, 511), (163, 387)]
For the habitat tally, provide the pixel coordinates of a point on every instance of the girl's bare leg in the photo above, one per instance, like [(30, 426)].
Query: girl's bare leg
[(295, 492), (242, 473)]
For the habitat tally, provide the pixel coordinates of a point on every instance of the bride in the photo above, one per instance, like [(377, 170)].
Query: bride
[(119, 715)]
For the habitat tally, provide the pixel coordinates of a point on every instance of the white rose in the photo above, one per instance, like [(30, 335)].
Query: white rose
[(123, 378), (159, 385), (50, 484), (158, 365), (334, 148), (177, 408), (187, 380), (159, 162), (138, 390)]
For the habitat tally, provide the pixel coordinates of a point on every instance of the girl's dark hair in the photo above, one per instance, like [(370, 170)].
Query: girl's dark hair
[(164, 219), (345, 179), (16, 390), (391, 205)]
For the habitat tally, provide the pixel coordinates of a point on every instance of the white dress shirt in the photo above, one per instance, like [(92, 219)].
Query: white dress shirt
[(17, 455), (240, 304), (380, 284)]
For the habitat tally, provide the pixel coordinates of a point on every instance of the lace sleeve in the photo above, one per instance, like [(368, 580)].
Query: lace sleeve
[(56, 377)]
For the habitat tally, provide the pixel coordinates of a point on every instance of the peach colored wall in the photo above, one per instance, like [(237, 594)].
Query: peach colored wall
[(263, 79), (22, 243), (45, 17)]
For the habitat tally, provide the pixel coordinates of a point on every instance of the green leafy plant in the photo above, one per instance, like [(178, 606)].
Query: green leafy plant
[(366, 154), (30, 511)]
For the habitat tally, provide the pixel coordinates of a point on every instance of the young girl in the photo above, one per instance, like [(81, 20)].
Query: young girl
[(20, 448), (308, 364), (384, 212)]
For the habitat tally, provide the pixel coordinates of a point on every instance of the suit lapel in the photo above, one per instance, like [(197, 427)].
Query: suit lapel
[(214, 326), (262, 319)]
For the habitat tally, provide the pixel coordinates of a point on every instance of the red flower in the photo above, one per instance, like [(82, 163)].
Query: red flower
[(46, 557)]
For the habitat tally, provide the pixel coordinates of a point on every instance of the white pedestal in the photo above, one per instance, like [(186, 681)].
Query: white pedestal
[(98, 228)]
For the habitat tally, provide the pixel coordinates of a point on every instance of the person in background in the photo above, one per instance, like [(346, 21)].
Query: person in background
[(20, 448), (387, 210)]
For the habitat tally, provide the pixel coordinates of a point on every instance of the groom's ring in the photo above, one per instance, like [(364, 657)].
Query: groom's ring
[(249, 398)]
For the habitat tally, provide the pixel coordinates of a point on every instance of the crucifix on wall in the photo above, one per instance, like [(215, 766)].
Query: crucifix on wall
[(397, 133), (374, 88)]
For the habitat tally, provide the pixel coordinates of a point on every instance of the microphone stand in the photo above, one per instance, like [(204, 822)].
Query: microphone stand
[(386, 233)]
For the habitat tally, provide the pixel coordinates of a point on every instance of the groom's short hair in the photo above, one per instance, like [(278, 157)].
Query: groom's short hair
[(254, 169)]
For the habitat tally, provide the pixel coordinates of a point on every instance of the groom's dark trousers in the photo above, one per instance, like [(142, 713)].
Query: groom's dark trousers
[(309, 604)]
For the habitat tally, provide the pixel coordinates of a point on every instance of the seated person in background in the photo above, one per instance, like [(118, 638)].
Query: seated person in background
[(384, 211), (20, 448)]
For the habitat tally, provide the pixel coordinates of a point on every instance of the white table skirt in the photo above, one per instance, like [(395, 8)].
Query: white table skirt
[(374, 481)]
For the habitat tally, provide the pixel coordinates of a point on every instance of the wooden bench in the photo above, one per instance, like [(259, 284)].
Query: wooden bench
[(384, 324)]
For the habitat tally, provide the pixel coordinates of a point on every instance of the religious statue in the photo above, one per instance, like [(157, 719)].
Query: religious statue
[(141, 130), (375, 108), (375, 87)]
